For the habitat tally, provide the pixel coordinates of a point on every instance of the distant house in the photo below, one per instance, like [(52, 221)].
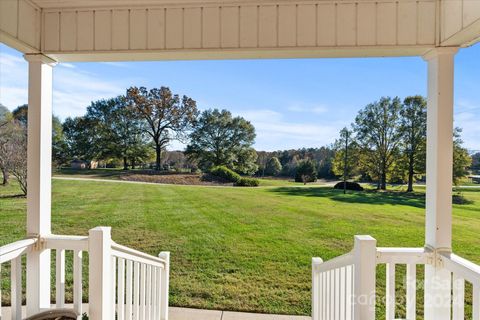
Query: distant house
[(83, 164), (475, 178)]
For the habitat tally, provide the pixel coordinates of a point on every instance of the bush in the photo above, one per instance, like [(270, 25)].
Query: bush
[(350, 186), (247, 182), (225, 174), (306, 172), (273, 167)]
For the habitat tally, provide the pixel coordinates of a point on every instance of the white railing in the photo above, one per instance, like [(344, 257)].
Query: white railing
[(333, 287), (462, 271), (124, 283), (411, 257), (344, 288), (62, 244), (12, 254), (142, 284)]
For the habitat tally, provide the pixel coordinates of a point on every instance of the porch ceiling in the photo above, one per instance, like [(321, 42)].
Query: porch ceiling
[(109, 30)]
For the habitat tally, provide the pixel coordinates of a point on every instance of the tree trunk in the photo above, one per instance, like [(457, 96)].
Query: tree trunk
[(383, 185), (158, 151), (5, 176), (410, 174), (125, 163), (133, 163)]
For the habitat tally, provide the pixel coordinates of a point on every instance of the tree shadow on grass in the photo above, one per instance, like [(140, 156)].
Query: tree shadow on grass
[(374, 197)]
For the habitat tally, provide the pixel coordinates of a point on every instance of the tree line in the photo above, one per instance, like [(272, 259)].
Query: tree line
[(385, 144)]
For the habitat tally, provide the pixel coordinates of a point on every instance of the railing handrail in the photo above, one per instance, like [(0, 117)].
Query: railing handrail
[(467, 269), (401, 255), (135, 255), (335, 263), (13, 250), (64, 242)]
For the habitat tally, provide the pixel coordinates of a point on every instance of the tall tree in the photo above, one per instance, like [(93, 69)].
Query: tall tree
[(20, 114), (13, 151), (167, 116), (5, 137), (81, 135), (120, 133), (475, 162), (59, 152), (461, 159), (413, 127), (376, 128), (344, 147), (220, 139)]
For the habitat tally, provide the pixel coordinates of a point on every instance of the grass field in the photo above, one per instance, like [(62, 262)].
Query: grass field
[(244, 249)]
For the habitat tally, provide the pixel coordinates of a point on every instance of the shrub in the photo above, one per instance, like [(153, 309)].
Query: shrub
[(225, 173), (306, 172), (350, 186), (273, 167), (247, 182)]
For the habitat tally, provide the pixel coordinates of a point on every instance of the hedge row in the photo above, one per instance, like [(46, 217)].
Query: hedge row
[(231, 176)]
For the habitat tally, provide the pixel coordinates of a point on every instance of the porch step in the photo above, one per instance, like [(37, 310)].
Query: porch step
[(197, 314)]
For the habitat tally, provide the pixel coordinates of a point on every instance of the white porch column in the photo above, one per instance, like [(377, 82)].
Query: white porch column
[(438, 232), (39, 160)]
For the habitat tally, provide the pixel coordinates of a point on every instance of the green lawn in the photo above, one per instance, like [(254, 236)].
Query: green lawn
[(244, 249)]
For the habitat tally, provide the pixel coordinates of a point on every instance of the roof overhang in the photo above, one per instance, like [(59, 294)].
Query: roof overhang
[(117, 30)]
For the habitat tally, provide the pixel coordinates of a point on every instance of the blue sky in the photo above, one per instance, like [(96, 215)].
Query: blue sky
[(292, 103)]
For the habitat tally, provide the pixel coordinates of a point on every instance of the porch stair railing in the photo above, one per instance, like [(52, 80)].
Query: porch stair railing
[(344, 288), (123, 283)]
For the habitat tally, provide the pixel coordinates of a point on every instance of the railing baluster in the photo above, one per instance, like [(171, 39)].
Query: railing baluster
[(159, 293), (149, 292), (1, 291), (16, 288), (136, 291), (315, 290), (390, 292), (128, 307), (334, 298), (342, 293), (154, 293), (165, 255), (142, 291), (458, 299), (77, 281), (114, 287), (337, 294), (348, 292), (411, 291), (324, 296), (329, 294), (476, 301), (121, 289), (320, 295), (60, 278)]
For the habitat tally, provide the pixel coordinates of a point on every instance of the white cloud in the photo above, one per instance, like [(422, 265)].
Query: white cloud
[(73, 89), (275, 131), (115, 64), (467, 117), (13, 80), (315, 109), (66, 65)]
